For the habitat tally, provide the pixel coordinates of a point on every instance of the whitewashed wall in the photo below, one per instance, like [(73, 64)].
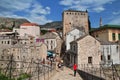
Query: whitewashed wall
[(71, 36), (31, 30), (113, 50)]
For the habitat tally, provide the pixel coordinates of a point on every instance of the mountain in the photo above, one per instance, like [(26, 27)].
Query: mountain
[(55, 24), (6, 22)]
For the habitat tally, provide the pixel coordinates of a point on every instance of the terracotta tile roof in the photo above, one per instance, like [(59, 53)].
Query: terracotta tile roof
[(29, 24)]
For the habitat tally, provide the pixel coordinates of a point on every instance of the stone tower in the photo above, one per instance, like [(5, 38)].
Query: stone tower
[(73, 18)]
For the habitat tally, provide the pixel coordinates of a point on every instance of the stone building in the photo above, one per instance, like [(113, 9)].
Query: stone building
[(5, 31), (73, 18), (32, 29), (8, 38), (53, 41), (107, 33), (110, 52), (85, 51), (21, 56), (73, 35), (26, 39), (21, 50)]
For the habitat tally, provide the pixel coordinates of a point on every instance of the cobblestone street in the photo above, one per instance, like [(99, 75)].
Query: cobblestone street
[(66, 74)]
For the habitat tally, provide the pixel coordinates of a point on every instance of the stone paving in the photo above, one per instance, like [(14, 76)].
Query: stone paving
[(65, 74)]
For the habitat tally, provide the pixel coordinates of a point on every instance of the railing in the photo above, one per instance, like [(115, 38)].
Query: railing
[(99, 71), (116, 71), (36, 70)]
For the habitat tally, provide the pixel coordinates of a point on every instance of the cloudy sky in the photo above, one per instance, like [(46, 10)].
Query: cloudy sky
[(43, 11)]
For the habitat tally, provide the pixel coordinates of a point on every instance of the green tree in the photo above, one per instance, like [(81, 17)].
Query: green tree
[(44, 31), (21, 77), (24, 76)]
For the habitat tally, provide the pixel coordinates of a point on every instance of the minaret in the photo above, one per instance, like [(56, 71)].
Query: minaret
[(100, 22)]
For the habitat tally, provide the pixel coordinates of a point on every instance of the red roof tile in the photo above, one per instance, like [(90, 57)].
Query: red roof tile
[(29, 24)]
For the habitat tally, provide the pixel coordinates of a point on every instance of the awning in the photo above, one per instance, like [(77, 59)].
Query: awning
[(49, 53)]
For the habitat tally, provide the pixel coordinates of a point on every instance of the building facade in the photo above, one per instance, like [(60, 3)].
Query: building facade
[(85, 51), (110, 53), (73, 35), (107, 33), (73, 18), (53, 41), (29, 29), (8, 38), (22, 55), (26, 39)]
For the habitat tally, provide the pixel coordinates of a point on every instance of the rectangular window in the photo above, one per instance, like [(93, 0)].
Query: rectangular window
[(18, 57), (97, 35), (107, 50), (25, 43), (23, 56), (8, 42), (101, 57), (117, 48), (51, 42), (109, 57), (90, 60), (7, 57), (13, 49), (47, 42), (37, 49), (2, 42), (31, 38), (47, 47), (1, 64), (51, 47), (74, 37), (2, 57), (74, 47), (119, 36), (113, 36)]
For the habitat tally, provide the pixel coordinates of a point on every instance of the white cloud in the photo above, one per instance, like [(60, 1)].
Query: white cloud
[(98, 9), (39, 19), (29, 9), (66, 2), (92, 5), (15, 4), (78, 7), (37, 8), (116, 13), (115, 20)]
